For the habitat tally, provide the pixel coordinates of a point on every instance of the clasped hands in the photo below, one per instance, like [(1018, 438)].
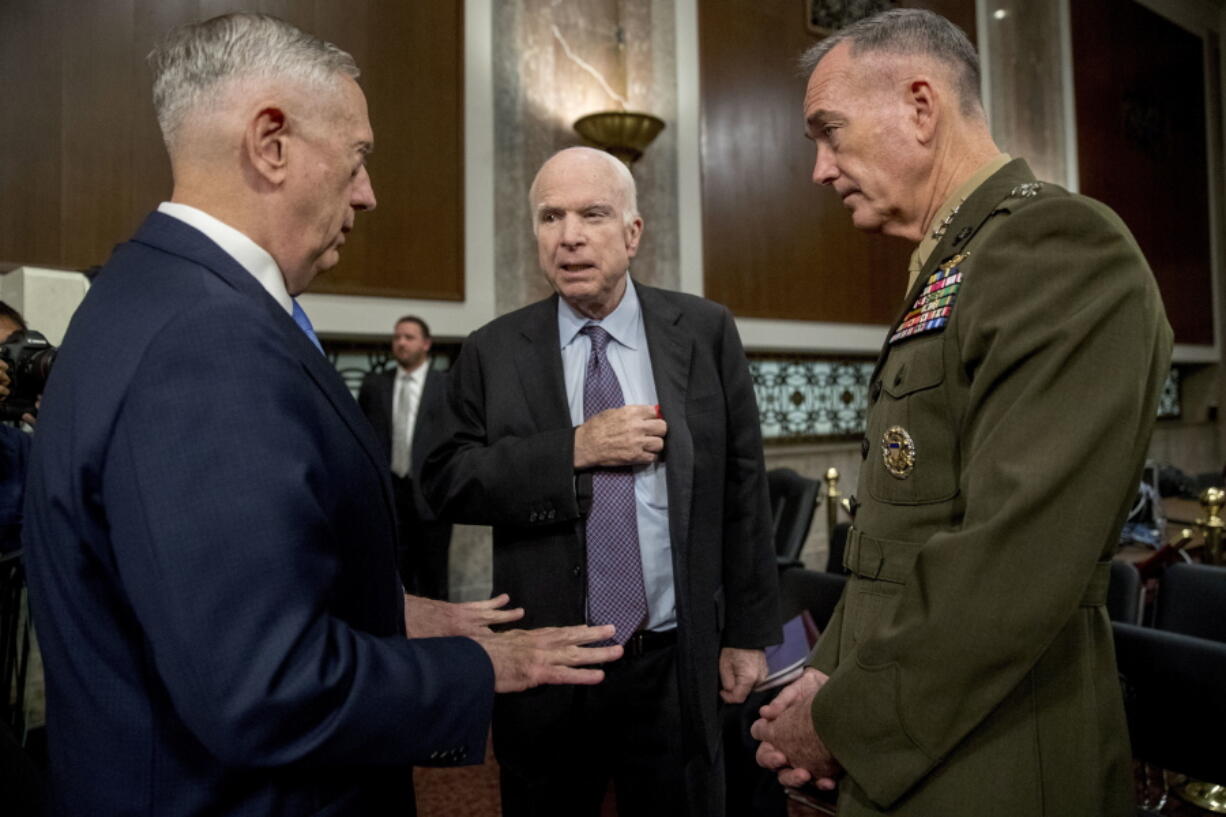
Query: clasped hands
[(627, 435), (790, 745)]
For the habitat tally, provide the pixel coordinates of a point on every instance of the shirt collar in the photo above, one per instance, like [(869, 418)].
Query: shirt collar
[(621, 323), (249, 255), (929, 242), (416, 374)]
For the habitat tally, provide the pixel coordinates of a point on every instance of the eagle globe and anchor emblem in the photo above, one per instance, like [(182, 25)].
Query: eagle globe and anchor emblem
[(898, 452)]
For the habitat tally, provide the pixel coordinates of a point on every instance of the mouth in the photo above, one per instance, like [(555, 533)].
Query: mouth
[(576, 267)]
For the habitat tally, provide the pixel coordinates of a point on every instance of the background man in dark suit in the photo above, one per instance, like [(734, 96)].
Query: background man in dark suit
[(209, 517), (610, 435), (406, 406), (969, 669)]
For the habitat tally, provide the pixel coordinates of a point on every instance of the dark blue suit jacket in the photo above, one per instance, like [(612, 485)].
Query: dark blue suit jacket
[(210, 539)]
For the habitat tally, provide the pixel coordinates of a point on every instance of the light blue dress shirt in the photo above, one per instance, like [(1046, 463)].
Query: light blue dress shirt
[(627, 354)]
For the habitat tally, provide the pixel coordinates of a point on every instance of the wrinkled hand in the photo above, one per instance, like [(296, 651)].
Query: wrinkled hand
[(427, 618), (628, 435), (739, 670), (4, 379), (551, 655), (789, 743)]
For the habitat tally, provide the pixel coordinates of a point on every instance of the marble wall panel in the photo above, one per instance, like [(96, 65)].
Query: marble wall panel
[(554, 62)]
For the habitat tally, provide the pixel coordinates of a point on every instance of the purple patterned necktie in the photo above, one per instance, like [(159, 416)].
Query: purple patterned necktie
[(615, 593)]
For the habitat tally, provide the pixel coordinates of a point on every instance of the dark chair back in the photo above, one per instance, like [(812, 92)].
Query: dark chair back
[(793, 500), (1173, 695), (838, 544), (1124, 593), (1192, 601), (812, 590)]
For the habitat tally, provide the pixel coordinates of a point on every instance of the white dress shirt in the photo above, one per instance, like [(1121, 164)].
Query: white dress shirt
[(249, 255), (628, 356)]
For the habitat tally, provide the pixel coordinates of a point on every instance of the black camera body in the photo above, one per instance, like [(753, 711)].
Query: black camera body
[(29, 356)]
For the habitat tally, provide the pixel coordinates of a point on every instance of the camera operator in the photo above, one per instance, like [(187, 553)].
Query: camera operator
[(14, 445)]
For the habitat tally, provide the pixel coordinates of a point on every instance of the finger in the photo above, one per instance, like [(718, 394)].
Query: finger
[(572, 675), (487, 604), (502, 616), (593, 655), (653, 444), (826, 783), (656, 428), (794, 777), (759, 729), (738, 693), (768, 757)]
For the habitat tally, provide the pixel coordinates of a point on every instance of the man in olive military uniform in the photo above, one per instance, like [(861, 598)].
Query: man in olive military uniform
[(969, 668)]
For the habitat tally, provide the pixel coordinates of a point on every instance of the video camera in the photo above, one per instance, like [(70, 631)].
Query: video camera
[(29, 356)]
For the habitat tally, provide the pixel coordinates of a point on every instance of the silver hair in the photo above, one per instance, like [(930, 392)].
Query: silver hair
[(628, 189), (194, 63), (910, 32)]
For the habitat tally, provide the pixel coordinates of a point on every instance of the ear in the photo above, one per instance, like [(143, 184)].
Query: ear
[(427, 343), (265, 143), (923, 108), (634, 231)]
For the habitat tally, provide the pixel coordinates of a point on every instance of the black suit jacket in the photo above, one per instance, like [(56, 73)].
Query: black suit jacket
[(375, 398), (508, 462)]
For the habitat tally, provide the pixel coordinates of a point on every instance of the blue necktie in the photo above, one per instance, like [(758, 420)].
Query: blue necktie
[(304, 323), (615, 590)]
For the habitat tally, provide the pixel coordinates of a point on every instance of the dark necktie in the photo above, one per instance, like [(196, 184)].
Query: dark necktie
[(615, 593), (304, 323)]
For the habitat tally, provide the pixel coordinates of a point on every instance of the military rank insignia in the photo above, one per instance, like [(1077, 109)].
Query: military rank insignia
[(898, 451), (935, 303)]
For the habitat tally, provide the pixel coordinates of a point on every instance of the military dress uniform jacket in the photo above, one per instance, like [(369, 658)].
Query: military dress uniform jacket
[(971, 663)]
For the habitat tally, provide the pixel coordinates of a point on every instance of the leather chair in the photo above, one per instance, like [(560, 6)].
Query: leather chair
[(1192, 601), (1173, 696), (812, 590), (1124, 593), (793, 500)]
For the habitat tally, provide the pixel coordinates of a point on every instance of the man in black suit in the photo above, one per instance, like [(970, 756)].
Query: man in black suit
[(405, 405), (610, 435)]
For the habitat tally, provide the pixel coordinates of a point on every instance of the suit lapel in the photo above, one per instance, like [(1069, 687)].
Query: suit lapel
[(538, 359), (174, 237), (670, 349)]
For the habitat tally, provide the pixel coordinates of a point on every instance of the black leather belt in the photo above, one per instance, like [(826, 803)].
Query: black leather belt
[(645, 641)]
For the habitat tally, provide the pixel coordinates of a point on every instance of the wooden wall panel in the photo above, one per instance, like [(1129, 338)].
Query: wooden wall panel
[(774, 244), (83, 162), (1140, 91)]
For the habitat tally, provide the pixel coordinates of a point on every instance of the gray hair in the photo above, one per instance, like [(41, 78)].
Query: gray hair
[(910, 32), (193, 63), (629, 191)]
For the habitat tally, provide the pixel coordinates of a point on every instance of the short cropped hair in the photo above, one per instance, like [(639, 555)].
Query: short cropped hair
[(910, 32), (13, 315), (628, 189), (425, 329), (193, 63)]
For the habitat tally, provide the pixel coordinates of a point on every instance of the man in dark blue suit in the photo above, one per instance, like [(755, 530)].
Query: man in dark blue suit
[(209, 529)]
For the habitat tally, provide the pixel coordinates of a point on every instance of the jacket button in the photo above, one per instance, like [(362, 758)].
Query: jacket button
[(864, 446), (576, 571), (550, 515), (532, 516)]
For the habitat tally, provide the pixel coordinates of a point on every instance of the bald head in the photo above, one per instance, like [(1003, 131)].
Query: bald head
[(622, 183), (587, 228)]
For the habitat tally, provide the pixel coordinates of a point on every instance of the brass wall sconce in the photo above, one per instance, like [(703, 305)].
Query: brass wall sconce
[(625, 134)]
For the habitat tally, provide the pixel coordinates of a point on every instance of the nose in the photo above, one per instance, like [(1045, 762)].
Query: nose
[(363, 197), (825, 170), (572, 231)]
